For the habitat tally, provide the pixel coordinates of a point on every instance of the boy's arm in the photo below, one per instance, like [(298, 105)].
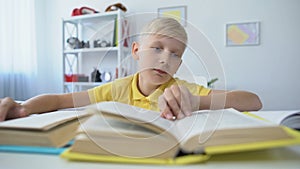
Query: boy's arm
[(178, 102), (240, 100), (41, 103), (52, 102)]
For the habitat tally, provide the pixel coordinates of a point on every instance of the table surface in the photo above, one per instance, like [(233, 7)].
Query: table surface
[(285, 157)]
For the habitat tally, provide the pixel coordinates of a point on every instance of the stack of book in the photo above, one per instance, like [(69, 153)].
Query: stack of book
[(41, 133), (117, 132)]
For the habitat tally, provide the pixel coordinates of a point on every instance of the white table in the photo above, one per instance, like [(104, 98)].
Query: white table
[(283, 158)]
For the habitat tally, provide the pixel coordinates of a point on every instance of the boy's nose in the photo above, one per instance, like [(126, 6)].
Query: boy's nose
[(164, 58)]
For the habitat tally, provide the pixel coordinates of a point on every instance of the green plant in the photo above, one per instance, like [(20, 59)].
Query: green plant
[(211, 82)]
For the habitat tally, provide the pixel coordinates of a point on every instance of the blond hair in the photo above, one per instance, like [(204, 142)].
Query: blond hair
[(165, 26)]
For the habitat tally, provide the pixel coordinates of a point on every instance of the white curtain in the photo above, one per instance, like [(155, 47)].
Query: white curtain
[(18, 60)]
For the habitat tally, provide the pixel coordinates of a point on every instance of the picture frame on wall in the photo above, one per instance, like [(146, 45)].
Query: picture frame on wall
[(243, 34), (177, 12)]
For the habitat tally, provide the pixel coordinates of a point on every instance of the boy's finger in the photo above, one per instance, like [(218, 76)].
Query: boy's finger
[(5, 105), (176, 93), (162, 104), (3, 112), (171, 102), (186, 105), (180, 115), (167, 113), (16, 112)]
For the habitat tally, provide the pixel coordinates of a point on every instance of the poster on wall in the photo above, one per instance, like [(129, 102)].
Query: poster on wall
[(177, 12), (242, 34)]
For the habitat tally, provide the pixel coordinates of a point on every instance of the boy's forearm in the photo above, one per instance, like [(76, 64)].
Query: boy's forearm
[(240, 100), (45, 103), (243, 101)]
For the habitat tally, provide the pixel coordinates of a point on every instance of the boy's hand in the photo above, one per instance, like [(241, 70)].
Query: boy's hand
[(9, 109), (177, 102)]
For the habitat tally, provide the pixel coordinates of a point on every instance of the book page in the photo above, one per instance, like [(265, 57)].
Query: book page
[(139, 116), (98, 125), (205, 123), (123, 138), (43, 121), (275, 116)]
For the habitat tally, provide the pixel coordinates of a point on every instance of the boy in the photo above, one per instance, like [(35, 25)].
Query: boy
[(158, 52)]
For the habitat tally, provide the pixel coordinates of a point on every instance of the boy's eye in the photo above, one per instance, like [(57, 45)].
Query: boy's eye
[(174, 55), (157, 49)]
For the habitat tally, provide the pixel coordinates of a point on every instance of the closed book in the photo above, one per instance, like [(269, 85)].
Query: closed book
[(52, 129)]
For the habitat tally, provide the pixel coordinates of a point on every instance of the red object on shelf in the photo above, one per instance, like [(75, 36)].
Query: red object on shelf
[(71, 78), (83, 10)]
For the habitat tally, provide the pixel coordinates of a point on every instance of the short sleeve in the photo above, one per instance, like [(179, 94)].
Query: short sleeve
[(204, 91), (100, 93)]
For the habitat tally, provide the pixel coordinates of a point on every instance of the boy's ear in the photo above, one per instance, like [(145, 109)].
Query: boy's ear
[(134, 49)]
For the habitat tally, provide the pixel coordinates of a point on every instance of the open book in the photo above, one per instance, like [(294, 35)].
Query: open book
[(121, 130), (289, 118), (53, 129)]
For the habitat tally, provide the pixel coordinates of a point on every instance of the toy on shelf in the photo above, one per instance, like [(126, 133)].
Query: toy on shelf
[(115, 7), (83, 11), (75, 43), (101, 43), (96, 76)]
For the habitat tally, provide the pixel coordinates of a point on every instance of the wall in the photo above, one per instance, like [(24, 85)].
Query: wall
[(270, 69)]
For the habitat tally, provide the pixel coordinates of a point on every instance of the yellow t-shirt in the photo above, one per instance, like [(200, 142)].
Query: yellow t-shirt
[(125, 90)]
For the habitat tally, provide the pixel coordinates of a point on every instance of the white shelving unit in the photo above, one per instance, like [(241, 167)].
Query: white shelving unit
[(111, 27)]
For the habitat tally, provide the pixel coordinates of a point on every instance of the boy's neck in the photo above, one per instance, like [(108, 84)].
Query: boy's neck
[(145, 87)]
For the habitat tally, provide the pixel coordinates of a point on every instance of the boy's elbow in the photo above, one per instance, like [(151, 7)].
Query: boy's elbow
[(257, 104), (248, 102)]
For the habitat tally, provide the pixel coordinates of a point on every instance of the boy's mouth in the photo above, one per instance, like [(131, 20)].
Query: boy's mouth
[(160, 71)]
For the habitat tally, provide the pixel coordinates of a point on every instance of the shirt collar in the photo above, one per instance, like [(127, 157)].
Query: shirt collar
[(137, 95)]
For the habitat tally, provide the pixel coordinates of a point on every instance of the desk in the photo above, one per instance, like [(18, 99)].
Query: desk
[(283, 158)]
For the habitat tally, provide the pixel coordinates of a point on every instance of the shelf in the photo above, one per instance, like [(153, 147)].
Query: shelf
[(86, 50), (92, 18), (91, 27), (84, 83)]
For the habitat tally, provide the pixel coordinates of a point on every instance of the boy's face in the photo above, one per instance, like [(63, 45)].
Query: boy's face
[(159, 57)]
